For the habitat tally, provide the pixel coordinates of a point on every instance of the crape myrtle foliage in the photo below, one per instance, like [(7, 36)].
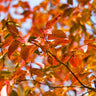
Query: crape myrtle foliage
[(61, 42)]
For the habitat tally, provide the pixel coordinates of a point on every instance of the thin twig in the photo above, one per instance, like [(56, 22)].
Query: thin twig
[(52, 85), (93, 89)]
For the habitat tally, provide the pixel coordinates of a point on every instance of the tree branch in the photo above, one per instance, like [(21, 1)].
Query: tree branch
[(93, 89), (47, 51)]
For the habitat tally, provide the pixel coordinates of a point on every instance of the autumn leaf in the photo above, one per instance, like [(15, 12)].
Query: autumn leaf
[(18, 75), (8, 41), (13, 30), (38, 72), (58, 33), (74, 61), (20, 39), (26, 51), (14, 45), (50, 23)]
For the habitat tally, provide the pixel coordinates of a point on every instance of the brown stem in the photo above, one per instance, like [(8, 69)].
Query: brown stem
[(93, 89)]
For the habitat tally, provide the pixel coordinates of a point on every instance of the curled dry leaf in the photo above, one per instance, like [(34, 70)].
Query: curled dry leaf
[(58, 33)]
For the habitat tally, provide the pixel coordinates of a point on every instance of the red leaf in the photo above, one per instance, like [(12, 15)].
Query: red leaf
[(14, 45), (20, 39), (74, 61)]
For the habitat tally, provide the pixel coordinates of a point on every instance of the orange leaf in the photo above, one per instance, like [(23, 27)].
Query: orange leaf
[(92, 46), (58, 33), (8, 41), (19, 75), (62, 41), (52, 22), (14, 45), (74, 61), (26, 51), (13, 30), (35, 71), (66, 59)]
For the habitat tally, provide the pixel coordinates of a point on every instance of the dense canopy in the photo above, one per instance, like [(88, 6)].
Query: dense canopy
[(48, 50)]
